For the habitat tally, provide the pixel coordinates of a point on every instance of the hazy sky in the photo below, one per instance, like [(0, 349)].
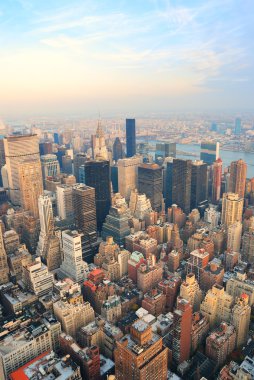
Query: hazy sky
[(130, 57)]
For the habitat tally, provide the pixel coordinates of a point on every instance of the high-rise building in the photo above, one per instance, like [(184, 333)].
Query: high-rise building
[(164, 150), (117, 224), (182, 324), (217, 305), (191, 291), (73, 266), (141, 355), (150, 183), (239, 284), (46, 223), (209, 152), (17, 150), (212, 217), (31, 186), (85, 218), (79, 159), (99, 147), (248, 245), (232, 208), (96, 174), (234, 234), (37, 278), (130, 137), (198, 183), (237, 179), (178, 184), (117, 149), (50, 166), (220, 343), (45, 147), (52, 256), (241, 319), (216, 180), (64, 200), (67, 164), (4, 269), (128, 175)]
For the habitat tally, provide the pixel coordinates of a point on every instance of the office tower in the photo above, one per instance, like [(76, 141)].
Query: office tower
[(191, 291), (59, 154), (182, 323), (53, 256), (2, 159), (150, 183), (217, 305), (238, 126), (46, 223), (114, 178), (37, 278), (220, 343), (79, 159), (232, 208), (198, 183), (216, 180), (64, 201), (45, 147), (178, 188), (4, 269), (130, 137), (241, 319), (99, 147), (117, 149), (73, 266), (17, 150), (212, 217), (128, 175), (85, 218), (30, 232), (234, 235), (248, 245), (56, 138), (67, 164), (141, 355), (96, 174), (199, 330), (239, 284), (164, 150), (139, 205), (237, 179), (31, 186), (209, 152), (50, 166), (116, 224), (197, 262), (73, 316)]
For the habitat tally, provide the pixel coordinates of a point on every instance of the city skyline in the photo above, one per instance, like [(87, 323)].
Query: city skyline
[(126, 58)]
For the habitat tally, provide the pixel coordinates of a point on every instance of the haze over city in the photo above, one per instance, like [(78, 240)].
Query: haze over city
[(125, 57)]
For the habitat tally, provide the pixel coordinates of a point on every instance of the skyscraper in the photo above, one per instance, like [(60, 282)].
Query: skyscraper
[(237, 179), (198, 183), (96, 174), (150, 183), (216, 182), (46, 222), (64, 201), (4, 269), (232, 208), (241, 319), (234, 234), (99, 145), (178, 184), (141, 355), (182, 320), (209, 152), (117, 149), (17, 150), (50, 166), (238, 126), (85, 218), (128, 175), (164, 150), (31, 187), (130, 137), (79, 159)]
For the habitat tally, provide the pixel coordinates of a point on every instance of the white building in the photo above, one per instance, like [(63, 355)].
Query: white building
[(64, 201), (46, 222), (37, 278)]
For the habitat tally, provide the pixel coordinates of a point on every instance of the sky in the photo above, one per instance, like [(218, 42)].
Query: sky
[(84, 57)]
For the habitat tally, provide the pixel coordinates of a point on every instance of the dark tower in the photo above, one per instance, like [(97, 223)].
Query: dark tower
[(130, 137), (198, 183), (150, 183), (96, 174), (178, 184), (117, 149)]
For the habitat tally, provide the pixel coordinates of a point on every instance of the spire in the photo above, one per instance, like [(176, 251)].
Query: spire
[(99, 130)]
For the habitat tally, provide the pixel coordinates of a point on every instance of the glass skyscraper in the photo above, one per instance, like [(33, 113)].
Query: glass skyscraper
[(130, 137)]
